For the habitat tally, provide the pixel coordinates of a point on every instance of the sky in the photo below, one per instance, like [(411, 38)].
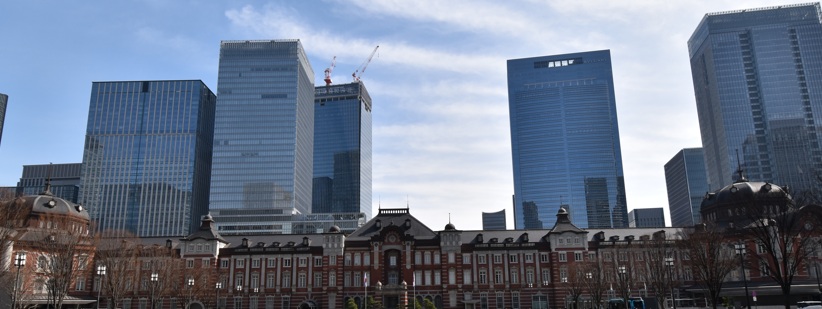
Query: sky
[(441, 134)]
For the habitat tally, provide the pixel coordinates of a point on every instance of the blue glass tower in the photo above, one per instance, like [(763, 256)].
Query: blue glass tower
[(147, 156), (342, 149), (565, 141), (263, 137), (757, 78), (687, 184)]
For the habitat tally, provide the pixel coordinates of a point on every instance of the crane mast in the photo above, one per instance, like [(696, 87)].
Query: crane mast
[(328, 71), (361, 70)]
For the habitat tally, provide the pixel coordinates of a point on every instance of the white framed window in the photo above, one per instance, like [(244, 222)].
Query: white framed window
[(481, 259), (190, 263), (427, 258), (466, 258), (224, 263), (287, 262), (318, 261), (270, 280), (563, 256), (303, 261), (240, 262), (205, 263), (272, 262), (578, 256), (357, 259), (81, 284), (497, 258), (543, 257), (529, 257), (255, 263), (418, 258), (513, 258), (318, 280), (452, 257)]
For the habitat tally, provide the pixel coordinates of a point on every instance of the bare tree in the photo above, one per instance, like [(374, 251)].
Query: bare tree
[(659, 263), (12, 217), (782, 234), (711, 258), (64, 253), (117, 251), (574, 283), (595, 280)]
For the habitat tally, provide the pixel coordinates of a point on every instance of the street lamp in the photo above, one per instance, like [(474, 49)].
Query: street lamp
[(154, 279), (19, 262), (239, 292), (218, 287), (818, 285), (740, 250), (669, 263), (190, 287), (101, 271), (622, 272)]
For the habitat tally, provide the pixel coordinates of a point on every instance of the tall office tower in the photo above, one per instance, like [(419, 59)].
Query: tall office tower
[(493, 221), (646, 217), (757, 79), (263, 137), (147, 158), (342, 149), (687, 184), (63, 179), (565, 141), (4, 100)]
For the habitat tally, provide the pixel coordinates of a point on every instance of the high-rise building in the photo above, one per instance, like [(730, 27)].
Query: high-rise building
[(342, 150), (687, 184), (147, 155), (646, 217), (4, 100), (565, 141), (263, 137), (757, 75), (63, 180), (493, 221)]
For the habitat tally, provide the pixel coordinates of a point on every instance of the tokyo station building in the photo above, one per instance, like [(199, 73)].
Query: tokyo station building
[(393, 258)]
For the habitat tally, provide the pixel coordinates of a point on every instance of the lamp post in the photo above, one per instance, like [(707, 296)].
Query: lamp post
[(622, 272), (239, 293), (155, 278), (218, 287), (669, 263), (740, 250), (818, 285), (190, 287), (101, 271), (19, 262)]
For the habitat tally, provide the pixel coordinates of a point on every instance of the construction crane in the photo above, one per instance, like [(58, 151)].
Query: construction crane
[(328, 71), (361, 70)]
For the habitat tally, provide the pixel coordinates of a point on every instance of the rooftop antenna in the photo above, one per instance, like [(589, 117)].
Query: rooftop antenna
[(449, 217), (407, 202)]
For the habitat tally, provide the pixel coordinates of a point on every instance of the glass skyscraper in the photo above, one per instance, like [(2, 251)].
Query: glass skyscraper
[(4, 100), (263, 137), (342, 149), (565, 141), (757, 77), (147, 156), (687, 184)]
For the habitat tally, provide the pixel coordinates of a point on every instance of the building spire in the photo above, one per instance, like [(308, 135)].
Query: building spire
[(47, 189), (739, 171)]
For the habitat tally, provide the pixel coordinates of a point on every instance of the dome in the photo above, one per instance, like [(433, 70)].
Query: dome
[(727, 207), (744, 191), (46, 203), (450, 227), (334, 229)]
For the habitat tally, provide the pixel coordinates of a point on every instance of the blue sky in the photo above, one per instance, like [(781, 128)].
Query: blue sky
[(441, 131)]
